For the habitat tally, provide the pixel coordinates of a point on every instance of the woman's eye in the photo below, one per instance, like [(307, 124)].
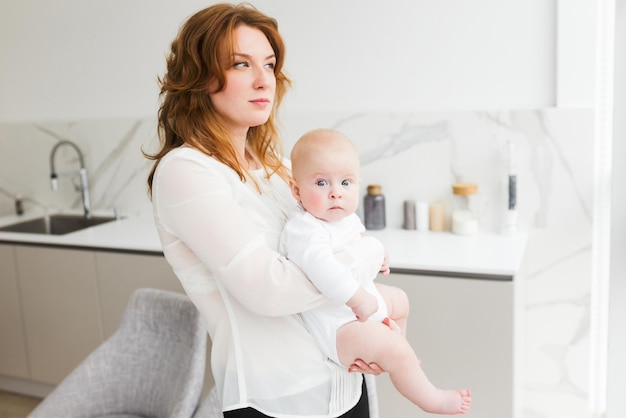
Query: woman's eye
[(321, 182), (240, 64), (270, 65)]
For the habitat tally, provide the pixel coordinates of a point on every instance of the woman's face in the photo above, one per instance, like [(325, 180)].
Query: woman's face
[(248, 95)]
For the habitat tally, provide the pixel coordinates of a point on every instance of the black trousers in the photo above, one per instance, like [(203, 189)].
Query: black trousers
[(360, 410)]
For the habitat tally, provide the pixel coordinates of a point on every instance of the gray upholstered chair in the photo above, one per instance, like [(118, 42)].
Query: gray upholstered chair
[(152, 366)]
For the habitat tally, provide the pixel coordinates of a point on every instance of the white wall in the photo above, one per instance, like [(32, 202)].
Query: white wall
[(76, 59), (617, 311)]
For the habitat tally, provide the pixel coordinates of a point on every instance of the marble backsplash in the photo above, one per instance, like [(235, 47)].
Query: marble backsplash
[(112, 153), (414, 156)]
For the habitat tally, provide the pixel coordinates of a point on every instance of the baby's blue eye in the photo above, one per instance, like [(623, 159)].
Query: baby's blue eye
[(321, 183), (345, 183)]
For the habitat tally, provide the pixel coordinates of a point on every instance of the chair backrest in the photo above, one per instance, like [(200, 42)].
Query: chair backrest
[(164, 331), (153, 365)]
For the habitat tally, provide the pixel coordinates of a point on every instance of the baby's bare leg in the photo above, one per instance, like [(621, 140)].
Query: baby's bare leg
[(375, 342)]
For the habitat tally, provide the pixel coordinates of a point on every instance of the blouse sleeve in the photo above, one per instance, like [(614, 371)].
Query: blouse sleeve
[(197, 206)]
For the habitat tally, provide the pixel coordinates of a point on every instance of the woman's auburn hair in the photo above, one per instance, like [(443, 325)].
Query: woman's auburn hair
[(201, 54)]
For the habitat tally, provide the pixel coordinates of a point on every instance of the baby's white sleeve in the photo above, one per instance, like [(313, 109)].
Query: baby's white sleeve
[(308, 244)]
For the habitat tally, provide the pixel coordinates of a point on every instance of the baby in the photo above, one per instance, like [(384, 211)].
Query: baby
[(321, 238)]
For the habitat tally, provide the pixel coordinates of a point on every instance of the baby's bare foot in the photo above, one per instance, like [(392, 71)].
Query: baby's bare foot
[(466, 400), (452, 402)]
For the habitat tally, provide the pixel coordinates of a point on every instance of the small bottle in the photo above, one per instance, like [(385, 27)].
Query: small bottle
[(409, 215), (509, 225), (19, 204), (436, 217), (423, 216), (374, 208)]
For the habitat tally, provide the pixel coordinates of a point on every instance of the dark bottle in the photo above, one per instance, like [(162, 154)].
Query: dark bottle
[(19, 204), (374, 208)]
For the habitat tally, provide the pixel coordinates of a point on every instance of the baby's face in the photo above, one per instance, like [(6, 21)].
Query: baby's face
[(328, 183)]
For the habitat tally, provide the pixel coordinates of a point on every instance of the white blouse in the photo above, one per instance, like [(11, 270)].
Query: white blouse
[(221, 238)]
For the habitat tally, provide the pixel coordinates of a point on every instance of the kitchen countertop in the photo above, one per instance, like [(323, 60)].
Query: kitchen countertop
[(135, 234), (484, 255)]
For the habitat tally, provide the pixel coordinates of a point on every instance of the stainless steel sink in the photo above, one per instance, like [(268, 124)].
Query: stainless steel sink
[(56, 224)]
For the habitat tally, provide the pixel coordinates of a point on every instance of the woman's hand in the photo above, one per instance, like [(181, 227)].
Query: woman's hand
[(359, 366)]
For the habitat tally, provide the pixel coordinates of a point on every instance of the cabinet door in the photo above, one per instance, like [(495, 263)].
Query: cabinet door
[(61, 309), (462, 330), (118, 277), (12, 339), (120, 274)]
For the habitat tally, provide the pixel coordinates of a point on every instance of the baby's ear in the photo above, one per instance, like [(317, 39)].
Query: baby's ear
[(295, 190)]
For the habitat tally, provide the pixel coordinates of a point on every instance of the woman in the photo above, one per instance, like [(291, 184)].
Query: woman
[(220, 195)]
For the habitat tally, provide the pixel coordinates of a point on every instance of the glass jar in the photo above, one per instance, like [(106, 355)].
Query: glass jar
[(465, 210)]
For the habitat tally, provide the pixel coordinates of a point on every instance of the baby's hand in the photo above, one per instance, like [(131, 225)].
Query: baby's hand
[(384, 269), (392, 324), (363, 304)]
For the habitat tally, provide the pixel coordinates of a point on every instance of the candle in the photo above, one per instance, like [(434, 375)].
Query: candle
[(437, 216), (423, 219)]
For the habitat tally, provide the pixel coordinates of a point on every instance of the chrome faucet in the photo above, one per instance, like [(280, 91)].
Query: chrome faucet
[(83, 186)]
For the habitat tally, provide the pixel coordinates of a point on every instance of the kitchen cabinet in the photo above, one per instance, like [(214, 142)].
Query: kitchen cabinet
[(463, 331), (59, 304), (61, 311), (63, 303), (13, 360), (119, 275), (464, 328)]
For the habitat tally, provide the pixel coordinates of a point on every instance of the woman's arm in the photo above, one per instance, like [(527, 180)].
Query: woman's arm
[(195, 203)]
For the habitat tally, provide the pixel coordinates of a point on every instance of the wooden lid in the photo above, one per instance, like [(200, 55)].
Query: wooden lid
[(374, 189), (464, 189)]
